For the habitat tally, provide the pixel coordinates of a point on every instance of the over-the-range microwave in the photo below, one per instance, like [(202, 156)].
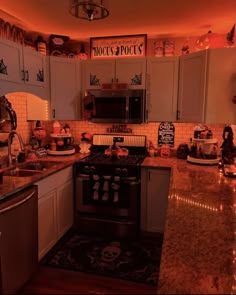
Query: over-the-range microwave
[(118, 106)]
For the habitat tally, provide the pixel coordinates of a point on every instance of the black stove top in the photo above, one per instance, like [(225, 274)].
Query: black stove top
[(103, 159), (101, 164), (98, 162)]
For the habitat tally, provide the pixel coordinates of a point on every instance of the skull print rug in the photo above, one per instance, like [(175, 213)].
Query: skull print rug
[(137, 260)]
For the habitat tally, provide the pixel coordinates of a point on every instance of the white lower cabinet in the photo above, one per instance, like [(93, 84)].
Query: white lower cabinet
[(55, 208), (154, 198), (47, 231)]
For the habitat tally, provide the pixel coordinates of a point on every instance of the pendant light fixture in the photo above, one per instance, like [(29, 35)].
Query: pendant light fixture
[(89, 10)]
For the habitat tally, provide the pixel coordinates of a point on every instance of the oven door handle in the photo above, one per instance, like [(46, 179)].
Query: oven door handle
[(83, 177)]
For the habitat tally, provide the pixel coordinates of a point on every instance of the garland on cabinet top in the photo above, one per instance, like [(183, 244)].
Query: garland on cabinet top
[(56, 45)]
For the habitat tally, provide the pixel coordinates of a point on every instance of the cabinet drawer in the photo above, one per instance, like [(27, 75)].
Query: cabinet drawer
[(51, 182)]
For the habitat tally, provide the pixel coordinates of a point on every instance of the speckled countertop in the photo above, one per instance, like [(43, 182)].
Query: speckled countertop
[(199, 248)]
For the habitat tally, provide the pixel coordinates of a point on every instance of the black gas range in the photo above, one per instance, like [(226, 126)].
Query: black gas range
[(107, 189)]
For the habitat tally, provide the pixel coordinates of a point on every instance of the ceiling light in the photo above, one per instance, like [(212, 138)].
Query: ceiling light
[(88, 10)]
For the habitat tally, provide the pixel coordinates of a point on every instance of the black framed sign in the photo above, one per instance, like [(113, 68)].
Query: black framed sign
[(118, 47), (166, 134)]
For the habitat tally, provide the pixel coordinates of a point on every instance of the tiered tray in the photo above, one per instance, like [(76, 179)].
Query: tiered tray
[(68, 150), (200, 161), (204, 161)]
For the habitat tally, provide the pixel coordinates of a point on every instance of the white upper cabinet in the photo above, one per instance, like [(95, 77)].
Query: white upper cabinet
[(65, 85), (192, 87), (11, 61), (22, 64), (34, 72), (221, 86), (162, 88), (130, 71), (207, 84)]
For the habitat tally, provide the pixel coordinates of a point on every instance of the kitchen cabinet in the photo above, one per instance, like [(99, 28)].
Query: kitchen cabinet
[(55, 207), (207, 85), (11, 60), (22, 64), (154, 198), (23, 69), (162, 88), (192, 87), (65, 85), (221, 86), (131, 71)]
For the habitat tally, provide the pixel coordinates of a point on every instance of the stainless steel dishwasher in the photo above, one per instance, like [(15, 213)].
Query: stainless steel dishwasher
[(18, 239)]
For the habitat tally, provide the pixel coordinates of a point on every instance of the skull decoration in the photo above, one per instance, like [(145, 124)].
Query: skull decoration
[(111, 252)]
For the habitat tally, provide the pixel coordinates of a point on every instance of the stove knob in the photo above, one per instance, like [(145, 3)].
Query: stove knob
[(117, 171), (86, 169), (92, 169), (124, 171)]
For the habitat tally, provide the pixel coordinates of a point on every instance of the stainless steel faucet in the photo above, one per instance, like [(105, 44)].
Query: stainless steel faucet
[(9, 142)]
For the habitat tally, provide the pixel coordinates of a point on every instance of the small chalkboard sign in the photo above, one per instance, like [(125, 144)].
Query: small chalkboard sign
[(166, 134)]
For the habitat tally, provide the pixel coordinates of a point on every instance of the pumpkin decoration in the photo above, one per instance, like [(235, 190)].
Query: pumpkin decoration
[(165, 151), (209, 40), (39, 132)]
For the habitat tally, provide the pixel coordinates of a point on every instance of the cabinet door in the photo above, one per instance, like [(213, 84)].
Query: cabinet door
[(65, 88), (34, 67), (192, 87), (221, 86), (98, 72), (65, 207), (11, 61), (162, 88), (131, 71), (154, 199), (47, 222)]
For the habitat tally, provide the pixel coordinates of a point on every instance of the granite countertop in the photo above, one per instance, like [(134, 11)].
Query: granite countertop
[(199, 248)]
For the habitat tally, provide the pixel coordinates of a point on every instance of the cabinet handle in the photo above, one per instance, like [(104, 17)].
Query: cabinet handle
[(177, 114), (27, 76), (117, 80), (149, 175), (23, 75), (18, 203), (146, 116), (53, 113)]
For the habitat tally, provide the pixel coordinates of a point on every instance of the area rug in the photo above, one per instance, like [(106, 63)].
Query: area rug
[(136, 260)]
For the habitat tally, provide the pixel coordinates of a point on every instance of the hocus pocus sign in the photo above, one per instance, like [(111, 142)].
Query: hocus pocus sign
[(121, 46)]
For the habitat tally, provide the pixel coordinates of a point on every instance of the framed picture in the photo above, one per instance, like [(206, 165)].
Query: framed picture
[(118, 47)]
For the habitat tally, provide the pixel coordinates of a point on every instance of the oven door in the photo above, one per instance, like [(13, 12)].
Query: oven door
[(107, 197)]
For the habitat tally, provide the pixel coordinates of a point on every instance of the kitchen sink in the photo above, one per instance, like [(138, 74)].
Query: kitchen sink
[(39, 165), (31, 168), (20, 173)]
